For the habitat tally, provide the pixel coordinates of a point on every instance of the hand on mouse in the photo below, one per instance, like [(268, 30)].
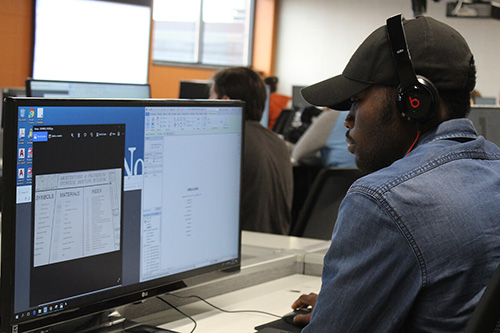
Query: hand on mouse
[(304, 301)]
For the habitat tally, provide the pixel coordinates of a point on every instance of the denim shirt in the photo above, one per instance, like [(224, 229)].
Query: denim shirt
[(415, 243)]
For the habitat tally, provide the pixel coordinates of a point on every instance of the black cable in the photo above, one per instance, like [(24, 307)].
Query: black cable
[(226, 311), (179, 310)]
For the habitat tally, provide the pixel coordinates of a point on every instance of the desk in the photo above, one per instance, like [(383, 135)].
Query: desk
[(266, 258), (282, 242), (274, 296)]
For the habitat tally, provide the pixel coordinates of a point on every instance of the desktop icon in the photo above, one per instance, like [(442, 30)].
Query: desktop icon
[(30, 152), (20, 173), (30, 135), (30, 173), (22, 113), (32, 113), (22, 133), (21, 153), (39, 112)]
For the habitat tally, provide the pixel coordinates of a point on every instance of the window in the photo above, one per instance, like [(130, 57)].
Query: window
[(203, 32)]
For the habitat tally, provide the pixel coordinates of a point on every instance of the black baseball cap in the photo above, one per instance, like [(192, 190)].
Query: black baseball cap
[(438, 52)]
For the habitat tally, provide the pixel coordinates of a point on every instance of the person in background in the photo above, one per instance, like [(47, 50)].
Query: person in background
[(418, 238), (473, 94), (323, 143), (277, 102), (267, 180)]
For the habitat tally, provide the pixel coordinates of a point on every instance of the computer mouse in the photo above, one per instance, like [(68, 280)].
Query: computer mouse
[(289, 316)]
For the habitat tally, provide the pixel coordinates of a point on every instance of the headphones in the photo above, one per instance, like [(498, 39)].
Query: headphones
[(417, 98)]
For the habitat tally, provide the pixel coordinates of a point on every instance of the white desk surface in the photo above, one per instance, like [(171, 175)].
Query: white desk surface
[(275, 297), (282, 242)]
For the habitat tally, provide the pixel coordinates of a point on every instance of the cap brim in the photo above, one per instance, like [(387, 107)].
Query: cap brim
[(334, 93)]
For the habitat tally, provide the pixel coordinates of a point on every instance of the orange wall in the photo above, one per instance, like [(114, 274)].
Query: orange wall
[(15, 42), (15, 49)]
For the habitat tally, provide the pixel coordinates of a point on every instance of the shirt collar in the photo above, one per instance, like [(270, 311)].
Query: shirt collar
[(452, 129)]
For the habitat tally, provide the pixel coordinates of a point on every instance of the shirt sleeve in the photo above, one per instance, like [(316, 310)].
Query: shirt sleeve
[(315, 137), (370, 277)]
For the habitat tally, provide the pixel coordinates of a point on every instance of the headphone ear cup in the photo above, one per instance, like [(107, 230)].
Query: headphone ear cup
[(419, 103)]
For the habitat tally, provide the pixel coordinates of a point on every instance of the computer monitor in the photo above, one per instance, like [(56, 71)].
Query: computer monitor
[(194, 89), (486, 120), (298, 102), (91, 40), (74, 89), (11, 92), (107, 202)]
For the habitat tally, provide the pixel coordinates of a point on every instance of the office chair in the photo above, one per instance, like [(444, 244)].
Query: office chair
[(284, 121), (486, 316), (319, 212)]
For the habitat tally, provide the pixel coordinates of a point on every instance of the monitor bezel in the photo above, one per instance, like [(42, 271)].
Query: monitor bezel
[(110, 299), (29, 81)]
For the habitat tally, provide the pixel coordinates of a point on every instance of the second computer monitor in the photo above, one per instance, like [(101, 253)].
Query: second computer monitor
[(75, 89), (194, 89)]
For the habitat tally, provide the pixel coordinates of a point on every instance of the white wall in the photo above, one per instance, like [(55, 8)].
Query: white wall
[(316, 38)]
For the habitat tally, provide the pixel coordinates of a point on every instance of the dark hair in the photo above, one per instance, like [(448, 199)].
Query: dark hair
[(244, 84), (457, 101), (272, 82)]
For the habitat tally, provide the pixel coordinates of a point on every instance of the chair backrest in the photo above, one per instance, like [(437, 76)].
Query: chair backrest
[(283, 121), (319, 212), (486, 316)]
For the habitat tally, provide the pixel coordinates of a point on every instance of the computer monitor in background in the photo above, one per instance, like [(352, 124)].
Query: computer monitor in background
[(10, 92), (73, 89), (108, 202), (91, 40), (486, 119), (194, 89), (298, 102)]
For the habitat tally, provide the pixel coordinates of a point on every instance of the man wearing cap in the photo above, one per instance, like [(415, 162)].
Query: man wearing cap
[(417, 239)]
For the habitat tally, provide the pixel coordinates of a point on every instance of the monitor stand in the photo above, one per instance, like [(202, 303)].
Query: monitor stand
[(108, 322), (128, 326)]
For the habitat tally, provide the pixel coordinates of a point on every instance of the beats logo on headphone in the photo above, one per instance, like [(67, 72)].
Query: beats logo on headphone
[(417, 98)]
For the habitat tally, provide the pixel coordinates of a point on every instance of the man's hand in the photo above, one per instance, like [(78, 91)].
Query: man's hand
[(304, 301)]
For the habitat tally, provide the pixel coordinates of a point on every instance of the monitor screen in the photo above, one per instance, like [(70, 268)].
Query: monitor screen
[(298, 102), (486, 120), (92, 40), (74, 89), (106, 202), (194, 89)]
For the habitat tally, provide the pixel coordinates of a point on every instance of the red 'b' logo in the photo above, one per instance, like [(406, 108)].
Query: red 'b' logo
[(414, 102)]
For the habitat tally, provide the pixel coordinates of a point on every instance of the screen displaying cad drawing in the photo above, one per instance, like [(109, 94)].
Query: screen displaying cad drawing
[(77, 215)]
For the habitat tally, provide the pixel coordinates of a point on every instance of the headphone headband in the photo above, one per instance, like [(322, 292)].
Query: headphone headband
[(417, 98), (400, 52)]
